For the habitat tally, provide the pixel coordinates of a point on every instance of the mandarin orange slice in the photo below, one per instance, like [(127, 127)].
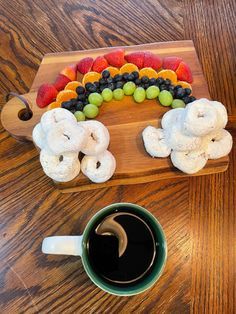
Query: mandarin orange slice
[(168, 74), (53, 105), (91, 77), (149, 72), (73, 85), (65, 95), (113, 71), (184, 84), (128, 68)]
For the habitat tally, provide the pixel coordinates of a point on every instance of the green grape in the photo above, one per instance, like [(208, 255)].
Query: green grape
[(152, 92), (95, 99), (91, 111), (79, 115), (139, 94), (129, 88), (107, 94), (178, 103), (118, 94), (165, 98)]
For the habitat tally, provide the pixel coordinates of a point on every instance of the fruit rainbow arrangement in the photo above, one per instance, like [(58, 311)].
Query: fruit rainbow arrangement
[(142, 75)]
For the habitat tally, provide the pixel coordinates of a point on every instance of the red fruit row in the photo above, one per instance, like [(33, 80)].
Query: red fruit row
[(117, 58)]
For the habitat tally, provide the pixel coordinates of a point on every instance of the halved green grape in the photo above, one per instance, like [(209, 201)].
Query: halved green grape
[(139, 94), (152, 92), (95, 99), (118, 94), (107, 94), (91, 111), (165, 98), (129, 88), (178, 103), (79, 115)]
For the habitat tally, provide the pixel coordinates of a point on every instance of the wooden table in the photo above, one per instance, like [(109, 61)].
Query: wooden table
[(198, 214)]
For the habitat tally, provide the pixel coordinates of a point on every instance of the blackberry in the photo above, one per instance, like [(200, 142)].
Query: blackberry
[(180, 93), (137, 81), (187, 91), (130, 77), (160, 81), (80, 90), (135, 74), (105, 74), (152, 81), (144, 79), (79, 106), (117, 78), (119, 84)]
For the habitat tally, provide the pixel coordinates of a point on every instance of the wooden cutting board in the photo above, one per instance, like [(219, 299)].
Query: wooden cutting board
[(124, 119)]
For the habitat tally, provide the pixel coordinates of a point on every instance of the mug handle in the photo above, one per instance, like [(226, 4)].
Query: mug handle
[(64, 245)]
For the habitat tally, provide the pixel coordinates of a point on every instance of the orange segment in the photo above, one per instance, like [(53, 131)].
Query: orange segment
[(53, 105), (65, 95), (184, 84), (128, 68), (168, 74), (113, 71), (73, 85), (149, 72), (91, 77)]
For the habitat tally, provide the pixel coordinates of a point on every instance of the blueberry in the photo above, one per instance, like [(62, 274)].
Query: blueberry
[(74, 101), (172, 92), (187, 91), (80, 90), (111, 86), (160, 81), (66, 105), (109, 80), (137, 81), (102, 87), (87, 93), (117, 78), (135, 74), (144, 79), (79, 106), (81, 97), (180, 93), (186, 100), (163, 87), (88, 85), (177, 87), (192, 98), (119, 84), (130, 77), (97, 84), (125, 76), (102, 81), (146, 85), (105, 74), (92, 88), (85, 102), (152, 81), (171, 88), (167, 81)]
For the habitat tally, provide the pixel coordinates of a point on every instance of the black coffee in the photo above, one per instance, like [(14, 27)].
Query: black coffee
[(122, 248)]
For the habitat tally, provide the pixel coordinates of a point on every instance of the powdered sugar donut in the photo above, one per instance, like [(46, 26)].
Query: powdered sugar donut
[(38, 136), (50, 118), (98, 138), (61, 168), (155, 142), (222, 115), (220, 144), (99, 168), (171, 117)]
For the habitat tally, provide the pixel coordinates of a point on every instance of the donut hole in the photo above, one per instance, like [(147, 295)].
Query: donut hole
[(60, 158), (98, 164), (93, 136), (67, 136), (200, 115)]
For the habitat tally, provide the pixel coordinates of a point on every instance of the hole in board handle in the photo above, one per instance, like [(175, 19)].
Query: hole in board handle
[(26, 113)]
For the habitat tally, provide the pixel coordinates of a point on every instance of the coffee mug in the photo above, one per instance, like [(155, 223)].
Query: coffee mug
[(123, 249)]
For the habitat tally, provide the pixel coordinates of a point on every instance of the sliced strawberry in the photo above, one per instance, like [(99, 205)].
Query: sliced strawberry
[(85, 65), (47, 93), (100, 64), (171, 63), (152, 61), (116, 58), (184, 73), (70, 72), (136, 58), (61, 82)]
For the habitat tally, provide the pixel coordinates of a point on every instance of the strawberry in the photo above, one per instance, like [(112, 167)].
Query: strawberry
[(61, 82), (136, 58), (70, 72), (152, 61), (115, 58), (100, 64), (184, 73), (47, 93), (171, 63), (85, 65)]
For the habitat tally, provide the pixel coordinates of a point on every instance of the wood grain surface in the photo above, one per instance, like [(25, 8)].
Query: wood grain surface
[(198, 214)]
